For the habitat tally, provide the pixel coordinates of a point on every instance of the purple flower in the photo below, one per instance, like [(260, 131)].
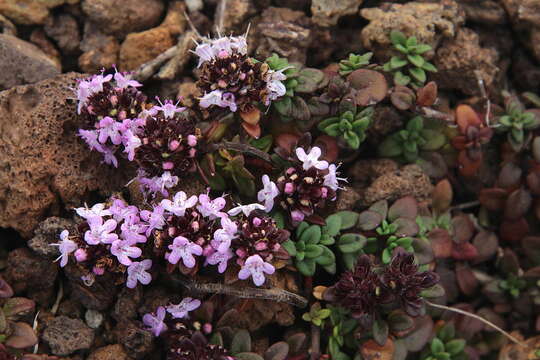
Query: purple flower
[(131, 142), (212, 98), (132, 230), (155, 323), (66, 247), (223, 237), (100, 232), (211, 208), (120, 210), (179, 204), (125, 81), (158, 183), (91, 139), (96, 83), (181, 310), (331, 179), (109, 158), (221, 258), (123, 250), (168, 108), (228, 100), (246, 209), (256, 268), (110, 128), (311, 159), (96, 210), (155, 219), (268, 193), (137, 271), (275, 86), (205, 53), (182, 248)]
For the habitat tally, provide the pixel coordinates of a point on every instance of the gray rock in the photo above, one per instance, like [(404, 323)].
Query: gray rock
[(7, 27), (93, 318), (65, 335), (23, 63), (47, 233), (64, 30), (327, 13), (131, 16)]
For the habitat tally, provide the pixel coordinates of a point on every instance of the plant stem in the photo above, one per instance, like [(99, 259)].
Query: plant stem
[(466, 205), (315, 342), (274, 294), (474, 316)]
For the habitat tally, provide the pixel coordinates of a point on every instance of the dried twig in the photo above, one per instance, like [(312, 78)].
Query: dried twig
[(146, 70), (483, 93), (466, 205), (435, 114), (274, 294), (242, 148), (474, 316), (315, 342), (59, 296), (34, 327), (221, 15)]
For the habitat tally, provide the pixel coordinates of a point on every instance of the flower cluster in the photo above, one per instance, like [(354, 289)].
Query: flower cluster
[(397, 285), (109, 240), (230, 79), (306, 185), (109, 106)]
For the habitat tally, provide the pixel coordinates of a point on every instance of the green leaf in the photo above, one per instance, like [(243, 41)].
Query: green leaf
[(418, 73), (401, 79), (312, 235), (264, 143), (397, 37), (405, 242), (433, 292), (411, 42), (416, 60), (332, 130), (429, 67), (386, 256), (327, 122), (331, 269), (416, 124), (348, 219), (283, 106), (327, 258), (313, 251), (437, 346), (327, 240), (389, 148), (402, 49), (306, 267), (380, 331), (447, 332), (333, 225), (352, 140), (248, 356), (435, 140), (421, 48), (350, 243), (396, 63), (454, 347), (290, 247), (241, 342), (349, 260)]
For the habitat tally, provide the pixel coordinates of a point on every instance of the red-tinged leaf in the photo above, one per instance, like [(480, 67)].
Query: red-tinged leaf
[(493, 199), (517, 204), (533, 273), (427, 95), (252, 116), (5, 289), (467, 166), (287, 141), (329, 147), (464, 251), (369, 220), (463, 228), (459, 142), (419, 337), (510, 176), (465, 117), (514, 230), (422, 250), (487, 244), (252, 130), (371, 86), (441, 243), (467, 282), (406, 227), (406, 207), (315, 219), (533, 182), (22, 337), (442, 196), (18, 306), (531, 245), (509, 263), (370, 350)]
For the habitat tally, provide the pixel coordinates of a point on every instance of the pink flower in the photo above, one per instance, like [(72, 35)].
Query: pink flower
[(120, 210), (205, 53), (96, 210), (245, 209), (274, 85), (155, 323), (155, 219), (182, 248), (311, 159), (137, 271), (181, 310), (123, 250), (179, 204), (109, 158), (268, 193), (66, 247), (212, 98), (256, 268), (223, 237), (168, 108), (211, 208), (132, 230), (131, 142), (124, 81), (110, 128), (158, 183), (90, 137), (100, 232), (220, 258), (331, 179)]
